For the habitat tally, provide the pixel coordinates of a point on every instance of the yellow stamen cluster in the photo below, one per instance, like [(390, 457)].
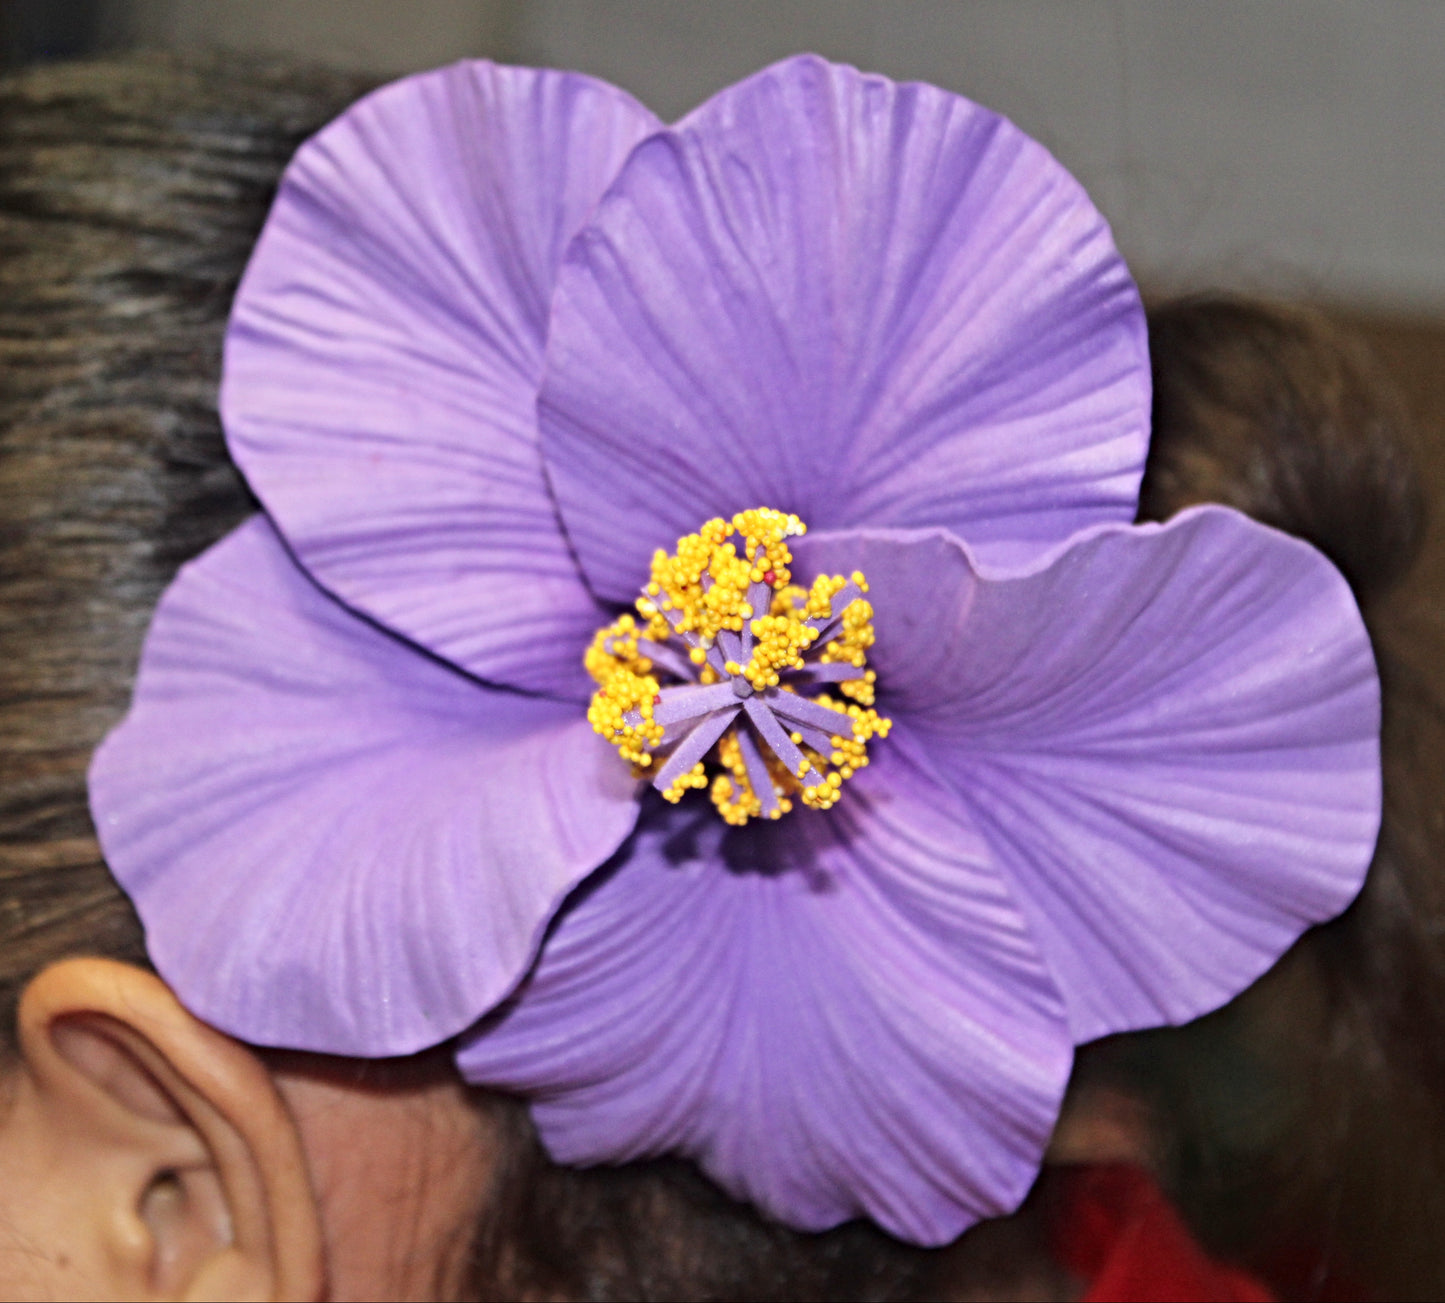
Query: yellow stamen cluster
[(849, 753), (702, 590), (627, 685), (703, 586), (779, 642), (696, 777), (850, 646)]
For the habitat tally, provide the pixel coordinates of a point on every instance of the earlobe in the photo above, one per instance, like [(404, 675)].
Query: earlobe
[(146, 1154)]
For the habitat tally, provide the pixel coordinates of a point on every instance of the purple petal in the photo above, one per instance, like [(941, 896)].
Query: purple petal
[(1168, 736), (336, 842), (385, 350), (867, 303), (836, 1015)]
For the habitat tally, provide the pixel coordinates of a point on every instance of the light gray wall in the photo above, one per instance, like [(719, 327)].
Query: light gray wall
[(1285, 145), (388, 35)]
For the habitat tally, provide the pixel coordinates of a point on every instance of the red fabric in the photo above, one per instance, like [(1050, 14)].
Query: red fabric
[(1114, 1228)]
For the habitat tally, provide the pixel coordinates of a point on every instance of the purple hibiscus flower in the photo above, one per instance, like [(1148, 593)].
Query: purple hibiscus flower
[(504, 337)]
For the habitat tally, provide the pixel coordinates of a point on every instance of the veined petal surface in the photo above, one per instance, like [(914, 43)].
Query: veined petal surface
[(335, 842), (1168, 736), (385, 348), (866, 303), (836, 1015)]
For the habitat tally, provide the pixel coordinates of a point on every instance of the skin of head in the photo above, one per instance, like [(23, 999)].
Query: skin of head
[(144, 1155)]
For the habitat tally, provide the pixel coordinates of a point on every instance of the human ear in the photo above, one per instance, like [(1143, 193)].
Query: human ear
[(144, 1155)]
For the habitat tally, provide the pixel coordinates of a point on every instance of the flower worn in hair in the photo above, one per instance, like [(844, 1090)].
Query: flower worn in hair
[(504, 340)]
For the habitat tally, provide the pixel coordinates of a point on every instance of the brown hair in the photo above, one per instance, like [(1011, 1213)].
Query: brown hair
[(130, 195)]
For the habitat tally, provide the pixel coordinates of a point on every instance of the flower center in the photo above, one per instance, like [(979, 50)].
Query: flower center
[(731, 666)]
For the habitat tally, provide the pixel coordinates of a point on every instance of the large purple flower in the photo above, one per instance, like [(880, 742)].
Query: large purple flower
[(503, 337)]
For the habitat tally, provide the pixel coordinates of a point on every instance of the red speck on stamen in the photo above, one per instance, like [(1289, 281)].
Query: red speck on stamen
[(657, 699), (770, 577)]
